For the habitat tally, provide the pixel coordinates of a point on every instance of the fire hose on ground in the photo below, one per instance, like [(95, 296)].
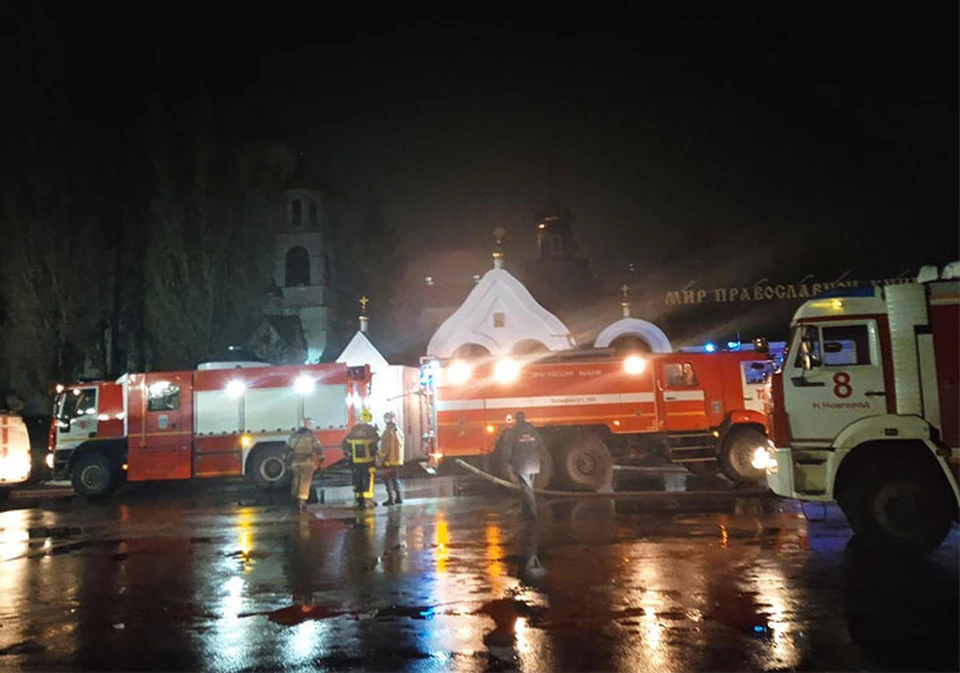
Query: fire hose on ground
[(632, 495)]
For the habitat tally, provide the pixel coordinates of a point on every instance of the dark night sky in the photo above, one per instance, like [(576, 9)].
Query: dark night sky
[(769, 139)]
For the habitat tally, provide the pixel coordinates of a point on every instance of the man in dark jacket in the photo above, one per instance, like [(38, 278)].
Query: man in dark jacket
[(523, 444)]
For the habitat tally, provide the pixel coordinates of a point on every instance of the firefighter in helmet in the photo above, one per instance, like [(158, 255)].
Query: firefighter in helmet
[(391, 458), (306, 457), (360, 447)]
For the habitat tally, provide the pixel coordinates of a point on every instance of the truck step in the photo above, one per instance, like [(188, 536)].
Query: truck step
[(691, 453), (810, 461)]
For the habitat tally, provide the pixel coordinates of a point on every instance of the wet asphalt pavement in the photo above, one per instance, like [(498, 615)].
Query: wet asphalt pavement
[(215, 577)]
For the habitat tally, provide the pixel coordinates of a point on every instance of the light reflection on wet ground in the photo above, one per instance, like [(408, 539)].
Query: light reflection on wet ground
[(460, 583)]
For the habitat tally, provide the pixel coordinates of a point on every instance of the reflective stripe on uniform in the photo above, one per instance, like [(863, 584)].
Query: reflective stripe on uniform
[(360, 450)]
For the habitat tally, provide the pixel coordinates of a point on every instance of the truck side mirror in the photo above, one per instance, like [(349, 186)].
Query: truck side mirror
[(760, 345)]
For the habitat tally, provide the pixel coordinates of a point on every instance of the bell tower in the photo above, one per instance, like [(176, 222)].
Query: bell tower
[(560, 274), (555, 237), (302, 267)]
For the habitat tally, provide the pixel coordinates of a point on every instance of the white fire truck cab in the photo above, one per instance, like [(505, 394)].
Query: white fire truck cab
[(865, 410)]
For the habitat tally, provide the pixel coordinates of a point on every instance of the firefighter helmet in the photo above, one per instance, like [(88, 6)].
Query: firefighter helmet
[(366, 416)]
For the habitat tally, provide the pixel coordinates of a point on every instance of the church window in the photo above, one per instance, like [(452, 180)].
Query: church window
[(556, 245), (499, 319), (296, 213), (298, 267), (314, 218)]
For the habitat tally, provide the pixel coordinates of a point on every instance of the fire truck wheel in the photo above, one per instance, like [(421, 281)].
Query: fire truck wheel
[(586, 464), (899, 505), (268, 467), (94, 475), (737, 454)]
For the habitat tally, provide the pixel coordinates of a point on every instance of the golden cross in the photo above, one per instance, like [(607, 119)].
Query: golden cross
[(624, 289), (363, 304)]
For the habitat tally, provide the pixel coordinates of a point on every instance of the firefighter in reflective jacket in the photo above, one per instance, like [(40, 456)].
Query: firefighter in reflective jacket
[(391, 458), (360, 447), (306, 457)]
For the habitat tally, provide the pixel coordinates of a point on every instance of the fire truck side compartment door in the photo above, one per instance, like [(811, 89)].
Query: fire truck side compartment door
[(161, 428)]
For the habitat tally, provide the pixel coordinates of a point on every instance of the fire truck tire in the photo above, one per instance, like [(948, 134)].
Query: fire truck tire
[(268, 467), (737, 453), (586, 464), (899, 505), (94, 475)]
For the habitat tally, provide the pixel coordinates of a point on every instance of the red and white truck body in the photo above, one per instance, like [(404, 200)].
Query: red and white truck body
[(865, 411), (209, 422), (689, 407)]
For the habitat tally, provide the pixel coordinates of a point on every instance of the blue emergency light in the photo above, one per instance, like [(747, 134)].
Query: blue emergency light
[(857, 291)]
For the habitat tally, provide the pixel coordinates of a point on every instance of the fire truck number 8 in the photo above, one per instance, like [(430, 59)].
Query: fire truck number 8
[(841, 385)]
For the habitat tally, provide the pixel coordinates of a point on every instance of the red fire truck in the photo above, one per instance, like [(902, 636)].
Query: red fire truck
[(865, 411), (222, 419), (700, 410)]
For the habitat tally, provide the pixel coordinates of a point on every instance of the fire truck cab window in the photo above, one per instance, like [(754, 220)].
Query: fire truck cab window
[(757, 372), (808, 348), (163, 397), (846, 345), (77, 403), (677, 375)]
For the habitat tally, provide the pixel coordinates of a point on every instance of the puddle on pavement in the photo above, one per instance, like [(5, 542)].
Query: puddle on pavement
[(81, 545), (409, 611), (629, 612), (57, 533), (246, 555), (296, 614)]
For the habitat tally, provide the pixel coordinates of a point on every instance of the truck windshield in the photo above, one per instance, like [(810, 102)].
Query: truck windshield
[(758, 372), (76, 402)]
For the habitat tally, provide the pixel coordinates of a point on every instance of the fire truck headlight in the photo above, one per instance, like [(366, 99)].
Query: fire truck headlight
[(762, 458), (59, 388), (459, 372), (246, 441), (236, 388), (304, 385), (49, 461), (634, 364), (506, 370)]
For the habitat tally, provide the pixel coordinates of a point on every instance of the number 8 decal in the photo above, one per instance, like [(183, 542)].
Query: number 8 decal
[(841, 385)]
